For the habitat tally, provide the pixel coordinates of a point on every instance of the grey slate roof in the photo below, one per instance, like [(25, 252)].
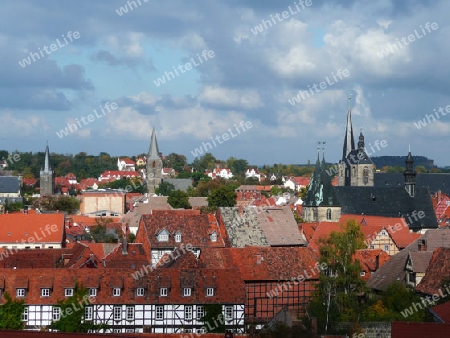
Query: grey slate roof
[(394, 269), (434, 182), (389, 202), (179, 183), (420, 260), (243, 228), (9, 184)]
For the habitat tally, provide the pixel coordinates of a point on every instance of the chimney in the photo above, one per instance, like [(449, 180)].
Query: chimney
[(124, 246), (377, 262), (423, 245)]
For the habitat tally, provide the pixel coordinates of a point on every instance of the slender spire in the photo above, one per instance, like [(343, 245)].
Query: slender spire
[(47, 166), (153, 153), (349, 141)]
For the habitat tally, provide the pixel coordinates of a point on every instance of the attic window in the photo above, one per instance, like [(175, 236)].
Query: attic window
[(213, 236), (178, 237), (163, 236)]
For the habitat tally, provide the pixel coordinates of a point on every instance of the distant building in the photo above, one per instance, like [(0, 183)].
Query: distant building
[(47, 176), (103, 202), (126, 164), (154, 165)]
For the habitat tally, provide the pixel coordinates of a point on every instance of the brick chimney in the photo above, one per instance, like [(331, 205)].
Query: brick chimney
[(423, 245)]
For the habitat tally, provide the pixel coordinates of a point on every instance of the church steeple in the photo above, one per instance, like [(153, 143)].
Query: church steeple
[(47, 167), (410, 175), (153, 152), (154, 165), (349, 141), (46, 176)]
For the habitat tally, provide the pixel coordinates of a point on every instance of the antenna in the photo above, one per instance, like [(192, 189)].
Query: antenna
[(349, 98)]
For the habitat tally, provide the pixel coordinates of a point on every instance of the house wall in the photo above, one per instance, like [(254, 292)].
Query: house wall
[(381, 241), (92, 203)]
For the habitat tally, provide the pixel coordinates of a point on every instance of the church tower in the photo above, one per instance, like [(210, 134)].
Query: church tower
[(47, 179), (356, 169), (410, 175), (154, 165), (321, 204)]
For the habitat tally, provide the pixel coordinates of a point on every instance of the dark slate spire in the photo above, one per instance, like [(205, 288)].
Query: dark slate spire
[(349, 141), (410, 175), (153, 152)]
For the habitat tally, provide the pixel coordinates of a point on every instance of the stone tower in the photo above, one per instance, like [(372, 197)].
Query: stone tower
[(154, 165), (410, 175), (47, 179)]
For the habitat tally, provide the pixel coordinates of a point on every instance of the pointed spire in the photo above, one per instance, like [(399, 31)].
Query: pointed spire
[(153, 153), (47, 167), (349, 141)]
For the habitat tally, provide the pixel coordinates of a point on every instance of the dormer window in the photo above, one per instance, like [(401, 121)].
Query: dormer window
[(178, 237), (213, 236), (163, 236)]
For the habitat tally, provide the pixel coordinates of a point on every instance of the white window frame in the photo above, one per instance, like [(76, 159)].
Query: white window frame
[(228, 312), (163, 236), (214, 236), (24, 316), (21, 292), (117, 312), (45, 292), (129, 312), (386, 247), (159, 312), (188, 312), (68, 292), (363, 273), (178, 237), (163, 292), (140, 292), (56, 313), (93, 292), (209, 292), (200, 312), (116, 292), (187, 292), (88, 313)]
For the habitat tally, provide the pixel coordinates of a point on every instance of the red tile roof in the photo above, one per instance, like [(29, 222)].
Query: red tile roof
[(368, 260), (419, 330), (31, 228), (443, 311), (438, 271)]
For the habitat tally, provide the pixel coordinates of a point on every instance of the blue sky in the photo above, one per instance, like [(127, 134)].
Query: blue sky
[(250, 78)]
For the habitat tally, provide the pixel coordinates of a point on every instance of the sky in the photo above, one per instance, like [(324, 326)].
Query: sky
[(113, 70)]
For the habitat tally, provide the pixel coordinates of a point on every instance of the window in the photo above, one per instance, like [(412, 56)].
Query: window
[(163, 236), (178, 237), (130, 313), (159, 312), (228, 313), (188, 312), (187, 292), (365, 175), (383, 233), (20, 293), (25, 315), (92, 292), (372, 246), (88, 312), (214, 236), (163, 292), (200, 312), (386, 247), (363, 273), (117, 313), (139, 292), (116, 292), (209, 292), (68, 292), (45, 292), (328, 214), (56, 313)]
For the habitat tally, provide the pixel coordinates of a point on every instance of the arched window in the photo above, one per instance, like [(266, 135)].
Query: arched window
[(366, 175), (328, 214), (154, 164)]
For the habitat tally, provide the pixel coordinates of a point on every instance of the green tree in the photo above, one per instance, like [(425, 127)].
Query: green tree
[(179, 199), (11, 313), (207, 161), (213, 318), (222, 197), (72, 313), (64, 203), (101, 234), (336, 296), (175, 161), (165, 189)]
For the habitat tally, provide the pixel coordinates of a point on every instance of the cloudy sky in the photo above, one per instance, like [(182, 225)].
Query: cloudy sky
[(116, 56)]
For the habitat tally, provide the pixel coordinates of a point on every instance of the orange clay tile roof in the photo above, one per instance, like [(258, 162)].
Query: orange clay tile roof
[(437, 272), (42, 228)]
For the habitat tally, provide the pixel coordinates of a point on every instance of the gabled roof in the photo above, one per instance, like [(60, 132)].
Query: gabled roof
[(368, 259), (9, 184), (420, 260), (437, 272)]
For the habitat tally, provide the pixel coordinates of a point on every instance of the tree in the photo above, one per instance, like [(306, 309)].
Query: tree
[(165, 189), (179, 199), (11, 313), (175, 161), (213, 318), (72, 312), (222, 197), (101, 234), (62, 203), (336, 298), (207, 161)]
